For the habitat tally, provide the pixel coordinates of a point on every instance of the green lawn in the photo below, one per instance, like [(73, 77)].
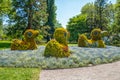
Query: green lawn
[(19, 73), (72, 44), (5, 44)]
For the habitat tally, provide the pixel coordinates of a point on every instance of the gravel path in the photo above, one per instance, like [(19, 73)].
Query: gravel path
[(109, 71)]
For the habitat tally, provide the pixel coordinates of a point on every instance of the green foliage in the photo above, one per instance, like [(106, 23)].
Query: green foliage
[(100, 14), (5, 6), (116, 26), (1, 28), (114, 29), (5, 44), (26, 14), (100, 9), (95, 41), (19, 73), (61, 35), (28, 43), (87, 8), (55, 49), (59, 46), (58, 25), (39, 39), (77, 25), (51, 8), (82, 40)]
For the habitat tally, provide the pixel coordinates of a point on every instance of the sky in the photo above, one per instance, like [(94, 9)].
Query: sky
[(66, 9)]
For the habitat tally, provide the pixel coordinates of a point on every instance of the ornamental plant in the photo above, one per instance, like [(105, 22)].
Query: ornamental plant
[(95, 41), (28, 43), (58, 47), (80, 57)]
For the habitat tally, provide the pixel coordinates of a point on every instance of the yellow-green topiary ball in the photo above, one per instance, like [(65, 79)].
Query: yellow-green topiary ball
[(58, 47)]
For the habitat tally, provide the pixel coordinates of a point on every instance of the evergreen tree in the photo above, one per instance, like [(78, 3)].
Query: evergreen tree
[(100, 16), (51, 8), (89, 10)]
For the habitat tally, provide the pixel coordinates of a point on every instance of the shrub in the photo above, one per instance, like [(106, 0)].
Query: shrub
[(28, 43), (5, 44), (95, 41), (58, 47)]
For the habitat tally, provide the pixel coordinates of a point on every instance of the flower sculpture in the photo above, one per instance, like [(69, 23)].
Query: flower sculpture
[(95, 41), (58, 47), (28, 43)]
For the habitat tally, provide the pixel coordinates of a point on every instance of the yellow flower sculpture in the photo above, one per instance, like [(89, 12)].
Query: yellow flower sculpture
[(58, 47), (95, 41), (28, 43)]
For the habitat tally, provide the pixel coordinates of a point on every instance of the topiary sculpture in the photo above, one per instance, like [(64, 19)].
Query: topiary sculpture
[(95, 41), (58, 47), (28, 43)]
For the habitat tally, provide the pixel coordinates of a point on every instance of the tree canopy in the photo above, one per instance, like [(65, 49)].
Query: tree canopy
[(26, 14), (93, 15), (76, 26)]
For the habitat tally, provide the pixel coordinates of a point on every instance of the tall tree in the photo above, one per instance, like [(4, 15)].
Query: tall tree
[(51, 8), (27, 14), (101, 19), (1, 27), (116, 27), (5, 7), (89, 10)]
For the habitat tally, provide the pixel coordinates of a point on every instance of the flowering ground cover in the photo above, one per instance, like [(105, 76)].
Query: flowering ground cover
[(79, 57)]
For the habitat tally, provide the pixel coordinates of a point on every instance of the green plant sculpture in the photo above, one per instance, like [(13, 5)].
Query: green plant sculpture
[(28, 43), (58, 47), (95, 41)]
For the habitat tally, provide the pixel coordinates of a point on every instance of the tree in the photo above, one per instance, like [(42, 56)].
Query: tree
[(5, 6), (77, 25), (116, 26), (100, 13), (89, 10), (58, 24), (51, 8), (1, 27), (26, 14)]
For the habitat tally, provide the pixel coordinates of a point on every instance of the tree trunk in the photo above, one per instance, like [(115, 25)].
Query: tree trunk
[(48, 38), (30, 16)]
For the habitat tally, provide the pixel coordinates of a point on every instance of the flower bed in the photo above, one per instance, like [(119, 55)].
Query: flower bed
[(80, 57)]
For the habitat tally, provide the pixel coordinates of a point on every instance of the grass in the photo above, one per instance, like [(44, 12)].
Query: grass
[(5, 44), (73, 44), (19, 73)]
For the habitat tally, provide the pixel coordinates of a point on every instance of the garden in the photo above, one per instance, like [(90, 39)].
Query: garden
[(32, 39)]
